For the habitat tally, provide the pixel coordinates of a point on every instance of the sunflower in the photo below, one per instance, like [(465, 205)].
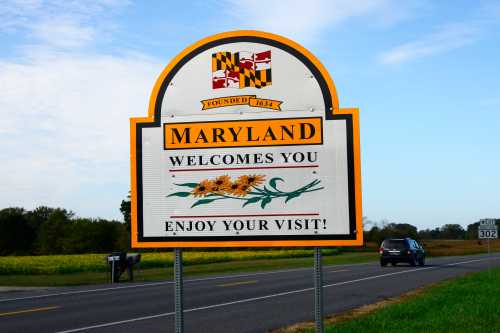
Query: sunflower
[(251, 180), (238, 189), (220, 184), (202, 189)]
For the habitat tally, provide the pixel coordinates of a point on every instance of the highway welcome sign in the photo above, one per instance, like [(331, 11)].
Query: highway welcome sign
[(245, 145)]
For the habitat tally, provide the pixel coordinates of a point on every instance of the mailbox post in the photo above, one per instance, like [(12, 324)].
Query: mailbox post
[(115, 260)]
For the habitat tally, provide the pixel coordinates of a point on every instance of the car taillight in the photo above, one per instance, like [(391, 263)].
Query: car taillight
[(381, 250)]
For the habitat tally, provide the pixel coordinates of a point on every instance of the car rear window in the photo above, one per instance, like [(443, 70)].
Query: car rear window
[(394, 244)]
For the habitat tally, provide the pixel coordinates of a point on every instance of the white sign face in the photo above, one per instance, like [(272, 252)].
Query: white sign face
[(484, 233), (487, 230), (487, 222), (245, 146)]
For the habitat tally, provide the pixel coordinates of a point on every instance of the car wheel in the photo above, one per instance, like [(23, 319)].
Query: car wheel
[(383, 263), (394, 263), (413, 261), (421, 262)]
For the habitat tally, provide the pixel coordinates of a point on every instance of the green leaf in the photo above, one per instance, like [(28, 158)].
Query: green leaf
[(265, 201), (273, 181), (203, 202), (252, 200), (179, 194), (292, 195), (191, 185)]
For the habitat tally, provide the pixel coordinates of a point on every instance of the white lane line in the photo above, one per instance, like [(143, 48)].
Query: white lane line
[(118, 322), (155, 284), (336, 271), (76, 292), (247, 300), (402, 272)]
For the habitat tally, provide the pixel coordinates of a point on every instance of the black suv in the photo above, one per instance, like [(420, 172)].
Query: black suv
[(394, 250)]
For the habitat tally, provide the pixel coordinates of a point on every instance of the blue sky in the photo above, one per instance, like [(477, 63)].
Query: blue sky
[(425, 75)]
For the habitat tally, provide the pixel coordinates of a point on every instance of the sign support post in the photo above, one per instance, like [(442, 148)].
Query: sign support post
[(113, 271), (318, 290), (489, 258), (178, 285), (487, 229)]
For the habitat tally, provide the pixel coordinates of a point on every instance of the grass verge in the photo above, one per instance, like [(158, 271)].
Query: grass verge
[(166, 273), (466, 304)]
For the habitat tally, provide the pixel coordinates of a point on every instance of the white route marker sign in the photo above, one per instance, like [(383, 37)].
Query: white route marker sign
[(245, 145), (487, 229)]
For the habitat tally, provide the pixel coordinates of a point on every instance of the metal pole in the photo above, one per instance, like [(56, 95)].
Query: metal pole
[(489, 258), (113, 271), (179, 307), (318, 290)]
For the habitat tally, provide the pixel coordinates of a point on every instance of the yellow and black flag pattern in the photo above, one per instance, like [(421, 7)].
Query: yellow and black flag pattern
[(255, 78), (241, 70), (225, 60)]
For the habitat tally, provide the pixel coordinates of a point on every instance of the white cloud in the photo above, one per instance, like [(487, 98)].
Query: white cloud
[(448, 38), (16, 14), (65, 125), (65, 110), (65, 33), (307, 20), (58, 23)]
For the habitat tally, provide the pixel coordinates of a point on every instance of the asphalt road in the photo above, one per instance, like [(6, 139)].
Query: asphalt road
[(254, 302)]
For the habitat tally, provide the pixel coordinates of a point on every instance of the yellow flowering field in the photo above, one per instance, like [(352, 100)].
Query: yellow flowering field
[(63, 264)]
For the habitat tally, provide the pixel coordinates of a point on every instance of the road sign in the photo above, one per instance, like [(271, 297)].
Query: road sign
[(245, 145), (487, 233), (487, 222)]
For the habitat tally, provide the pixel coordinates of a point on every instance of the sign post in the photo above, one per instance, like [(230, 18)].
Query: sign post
[(318, 290), (489, 257), (179, 292), (488, 230), (113, 271), (245, 145), (113, 260)]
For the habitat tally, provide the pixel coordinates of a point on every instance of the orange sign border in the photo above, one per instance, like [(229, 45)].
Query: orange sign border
[(353, 112)]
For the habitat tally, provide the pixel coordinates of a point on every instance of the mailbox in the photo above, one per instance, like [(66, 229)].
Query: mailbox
[(120, 262)]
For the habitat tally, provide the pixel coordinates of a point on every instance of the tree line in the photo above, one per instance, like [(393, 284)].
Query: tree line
[(46, 230), (379, 231)]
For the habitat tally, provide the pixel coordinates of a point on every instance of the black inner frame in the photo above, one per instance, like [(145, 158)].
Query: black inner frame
[(328, 116)]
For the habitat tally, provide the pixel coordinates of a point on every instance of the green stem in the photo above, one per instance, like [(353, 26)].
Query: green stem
[(314, 189), (279, 193), (229, 197)]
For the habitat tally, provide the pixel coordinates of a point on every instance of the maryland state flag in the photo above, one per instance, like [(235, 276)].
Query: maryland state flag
[(241, 69)]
